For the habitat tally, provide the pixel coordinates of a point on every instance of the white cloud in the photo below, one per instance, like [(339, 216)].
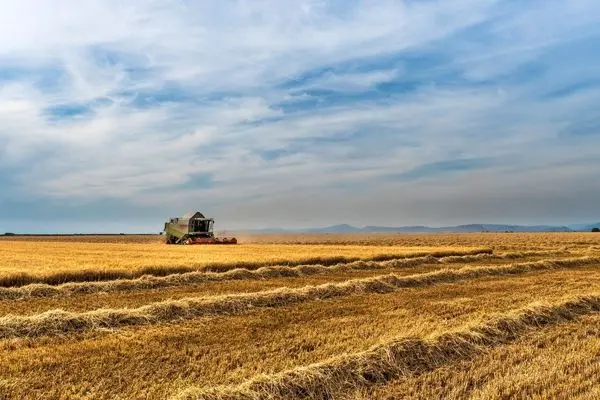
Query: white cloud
[(224, 66)]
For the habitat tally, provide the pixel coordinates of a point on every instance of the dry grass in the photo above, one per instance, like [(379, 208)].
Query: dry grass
[(24, 262), (399, 358), (87, 238), (560, 362), (300, 271), (371, 316), (496, 241), (59, 322), (155, 361)]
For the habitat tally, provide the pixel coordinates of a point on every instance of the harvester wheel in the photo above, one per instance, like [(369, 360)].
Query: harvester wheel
[(170, 239)]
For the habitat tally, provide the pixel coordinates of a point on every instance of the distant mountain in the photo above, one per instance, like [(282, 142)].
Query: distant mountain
[(345, 228), (584, 227), (342, 228), (407, 229), (474, 228), (504, 228)]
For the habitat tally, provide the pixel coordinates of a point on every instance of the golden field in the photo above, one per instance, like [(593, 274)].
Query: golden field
[(65, 260), (463, 316)]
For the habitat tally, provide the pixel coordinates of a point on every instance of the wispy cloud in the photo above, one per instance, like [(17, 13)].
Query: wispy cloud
[(275, 113), (437, 168)]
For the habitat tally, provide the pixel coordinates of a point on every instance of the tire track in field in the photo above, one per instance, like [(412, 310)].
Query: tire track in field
[(340, 376), (59, 322), (192, 278)]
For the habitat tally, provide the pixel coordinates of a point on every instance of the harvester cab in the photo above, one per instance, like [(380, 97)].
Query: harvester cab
[(193, 228)]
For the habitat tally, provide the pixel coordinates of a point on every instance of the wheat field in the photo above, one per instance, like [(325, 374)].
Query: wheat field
[(437, 316)]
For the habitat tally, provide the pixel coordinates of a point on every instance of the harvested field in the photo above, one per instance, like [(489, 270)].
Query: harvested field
[(557, 362), (309, 317), (28, 261)]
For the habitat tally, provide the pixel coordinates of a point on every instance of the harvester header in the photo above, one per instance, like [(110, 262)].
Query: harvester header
[(193, 228)]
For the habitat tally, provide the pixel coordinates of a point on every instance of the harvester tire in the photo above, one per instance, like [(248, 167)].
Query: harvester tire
[(169, 239)]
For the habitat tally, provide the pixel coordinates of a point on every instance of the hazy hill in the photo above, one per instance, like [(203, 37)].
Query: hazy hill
[(346, 228)]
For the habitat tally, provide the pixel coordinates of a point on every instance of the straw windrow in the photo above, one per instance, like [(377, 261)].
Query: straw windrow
[(197, 277), (58, 322), (95, 275), (340, 376)]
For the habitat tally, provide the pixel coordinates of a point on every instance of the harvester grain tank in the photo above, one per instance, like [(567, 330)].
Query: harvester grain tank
[(193, 228)]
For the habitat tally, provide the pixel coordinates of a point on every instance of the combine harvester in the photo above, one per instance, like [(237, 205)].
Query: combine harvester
[(193, 228)]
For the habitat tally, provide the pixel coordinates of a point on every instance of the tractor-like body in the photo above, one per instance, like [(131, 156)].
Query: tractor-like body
[(193, 228)]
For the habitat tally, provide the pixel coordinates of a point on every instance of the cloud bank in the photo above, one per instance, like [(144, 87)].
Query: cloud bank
[(116, 116)]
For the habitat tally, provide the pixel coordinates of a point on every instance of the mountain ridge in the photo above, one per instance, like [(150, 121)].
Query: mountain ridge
[(347, 228)]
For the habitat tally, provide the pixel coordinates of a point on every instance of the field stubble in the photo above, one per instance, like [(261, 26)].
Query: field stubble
[(26, 261), (395, 326)]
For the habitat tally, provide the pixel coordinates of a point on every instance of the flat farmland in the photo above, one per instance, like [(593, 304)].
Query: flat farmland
[(56, 260), (452, 316)]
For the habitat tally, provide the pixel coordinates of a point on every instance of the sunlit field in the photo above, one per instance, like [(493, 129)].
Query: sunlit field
[(477, 316), (43, 258)]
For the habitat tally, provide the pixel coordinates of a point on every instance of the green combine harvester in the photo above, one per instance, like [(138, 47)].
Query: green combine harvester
[(193, 228)]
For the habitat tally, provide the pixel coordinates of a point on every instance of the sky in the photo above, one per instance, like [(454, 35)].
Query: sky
[(117, 115)]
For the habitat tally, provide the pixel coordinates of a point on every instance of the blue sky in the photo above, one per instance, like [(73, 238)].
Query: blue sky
[(116, 115)]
